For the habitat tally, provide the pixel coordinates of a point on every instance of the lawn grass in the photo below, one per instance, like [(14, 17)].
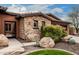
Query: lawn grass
[(50, 52)]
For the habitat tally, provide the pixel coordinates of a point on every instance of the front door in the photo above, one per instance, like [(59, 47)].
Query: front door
[(10, 29)]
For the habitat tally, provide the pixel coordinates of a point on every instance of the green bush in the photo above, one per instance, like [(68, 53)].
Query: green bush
[(56, 32)]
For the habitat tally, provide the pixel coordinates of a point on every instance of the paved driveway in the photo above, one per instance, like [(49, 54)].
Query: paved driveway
[(15, 46)]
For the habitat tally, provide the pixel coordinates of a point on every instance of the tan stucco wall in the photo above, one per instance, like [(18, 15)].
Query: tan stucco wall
[(28, 23)]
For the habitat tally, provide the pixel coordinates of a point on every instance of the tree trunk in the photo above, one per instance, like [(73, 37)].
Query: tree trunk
[(76, 30)]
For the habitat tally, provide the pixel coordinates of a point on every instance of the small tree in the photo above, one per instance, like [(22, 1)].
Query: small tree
[(74, 16)]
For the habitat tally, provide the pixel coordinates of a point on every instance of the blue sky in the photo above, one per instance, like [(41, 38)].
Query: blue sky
[(59, 10)]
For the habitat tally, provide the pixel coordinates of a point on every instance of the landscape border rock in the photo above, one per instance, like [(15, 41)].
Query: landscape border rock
[(47, 42), (4, 41)]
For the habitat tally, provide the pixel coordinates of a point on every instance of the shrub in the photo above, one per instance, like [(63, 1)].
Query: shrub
[(56, 32)]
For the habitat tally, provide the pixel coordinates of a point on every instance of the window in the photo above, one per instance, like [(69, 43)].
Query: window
[(43, 23), (35, 24), (7, 27)]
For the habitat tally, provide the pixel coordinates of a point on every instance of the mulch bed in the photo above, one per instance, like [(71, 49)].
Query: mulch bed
[(31, 48), (61, 45), (69, 47)]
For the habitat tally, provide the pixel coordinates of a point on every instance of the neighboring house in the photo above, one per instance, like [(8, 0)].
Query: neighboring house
[(18, 25)]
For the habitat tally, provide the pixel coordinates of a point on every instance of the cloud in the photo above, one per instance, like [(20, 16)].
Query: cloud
[(39, 8), (23, 9), (57, 10), (30, 8), (13, 8), (16, 8)]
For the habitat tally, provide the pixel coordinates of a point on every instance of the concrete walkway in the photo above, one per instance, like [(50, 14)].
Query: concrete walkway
[(29, 44), (14, 42), (14, 46)]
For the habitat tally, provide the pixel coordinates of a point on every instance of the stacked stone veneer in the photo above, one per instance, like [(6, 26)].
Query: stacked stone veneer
[(27, 25)]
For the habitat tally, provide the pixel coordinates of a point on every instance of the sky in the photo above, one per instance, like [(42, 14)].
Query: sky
[(59, 10)]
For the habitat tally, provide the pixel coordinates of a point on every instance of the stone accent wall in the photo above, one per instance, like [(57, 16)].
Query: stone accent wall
[(21, 29), (28, 27), (40, 19)]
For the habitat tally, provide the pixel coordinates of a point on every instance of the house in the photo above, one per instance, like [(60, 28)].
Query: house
[(19, 24)]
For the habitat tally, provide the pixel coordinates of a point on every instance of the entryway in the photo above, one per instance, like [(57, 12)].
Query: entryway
[(10, 28)]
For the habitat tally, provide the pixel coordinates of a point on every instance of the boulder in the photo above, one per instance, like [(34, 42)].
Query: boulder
[(66, 38), (3, 40), (71, 38), (75, 39), (13, 50), (47, 42), (17, 50), (72, 41)]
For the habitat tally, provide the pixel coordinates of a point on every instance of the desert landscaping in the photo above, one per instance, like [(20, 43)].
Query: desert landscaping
[(12, 46), (37, 33)]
